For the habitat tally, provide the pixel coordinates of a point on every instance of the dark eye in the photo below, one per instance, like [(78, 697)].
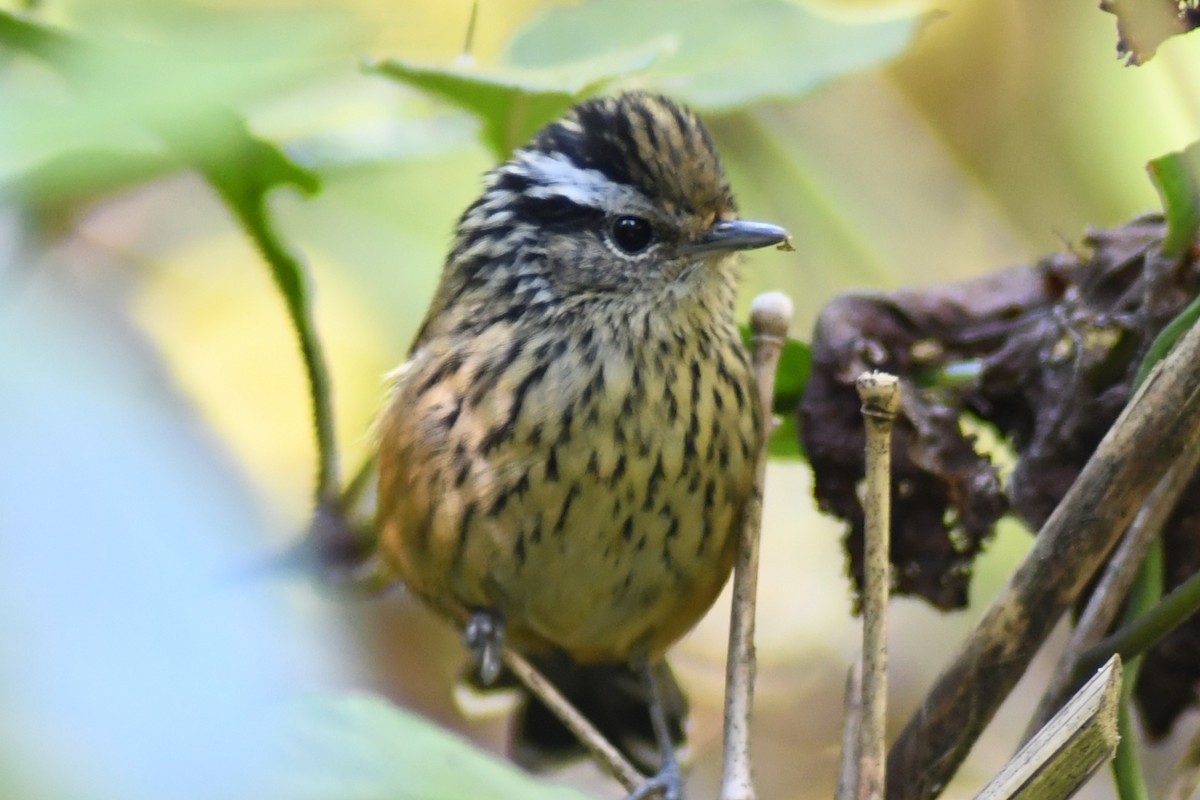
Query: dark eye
[(632, 234)]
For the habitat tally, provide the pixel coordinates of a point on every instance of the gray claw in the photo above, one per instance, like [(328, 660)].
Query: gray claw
[(485, 637), (667, 784)]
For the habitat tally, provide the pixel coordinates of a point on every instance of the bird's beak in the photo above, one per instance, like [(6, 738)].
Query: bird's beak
[(738, 234)]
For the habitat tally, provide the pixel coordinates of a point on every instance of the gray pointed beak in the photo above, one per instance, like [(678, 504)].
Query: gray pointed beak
[(738, 234)]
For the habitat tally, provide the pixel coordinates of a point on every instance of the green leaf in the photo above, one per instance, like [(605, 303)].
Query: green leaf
[(79, 176), (1128, 770), (22, 33), (791, 376), (182, 62), (1166, 339), (515, 102), (362, 747), (731, 52), (215, 141), (785, 440), (1176, 176), (244, 169), (795, 366)]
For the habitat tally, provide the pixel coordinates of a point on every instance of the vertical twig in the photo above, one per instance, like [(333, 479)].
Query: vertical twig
[(852, 720), (880, 394), (770, 315)]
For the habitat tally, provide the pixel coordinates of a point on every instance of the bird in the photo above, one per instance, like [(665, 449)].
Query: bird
[(567, 454)]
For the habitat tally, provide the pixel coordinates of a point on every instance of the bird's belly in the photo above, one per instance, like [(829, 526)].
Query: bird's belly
[(629, 574), (615, 538), (597, 515)]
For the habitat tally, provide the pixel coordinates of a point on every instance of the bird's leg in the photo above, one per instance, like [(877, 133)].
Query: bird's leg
[(485, 637), (668, 782)]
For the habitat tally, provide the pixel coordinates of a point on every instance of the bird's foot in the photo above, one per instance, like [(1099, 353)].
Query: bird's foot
[(485, 637), (667, 784)]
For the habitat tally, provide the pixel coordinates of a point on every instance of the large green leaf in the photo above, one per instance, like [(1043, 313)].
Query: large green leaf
[(358, 746), (79, 176), (199, 131), (730, 52), (513, 103), (179, 65)]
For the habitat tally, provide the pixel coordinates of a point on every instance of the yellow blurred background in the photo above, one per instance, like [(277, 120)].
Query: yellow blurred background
[(1006, 130)]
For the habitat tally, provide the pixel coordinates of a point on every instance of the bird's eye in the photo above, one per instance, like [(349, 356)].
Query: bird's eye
[(632, 234)]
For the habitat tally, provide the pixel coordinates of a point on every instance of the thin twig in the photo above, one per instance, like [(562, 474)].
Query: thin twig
[(467, 57), (770, 315), (540, 687), (601, 749), (852, 721), (1110, 593), (880, 394), (1160, 422)]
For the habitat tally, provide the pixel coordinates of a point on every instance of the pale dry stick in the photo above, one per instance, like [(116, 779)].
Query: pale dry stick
[(606, 755), (1159, 423), (880, 394), (847, 788), (1110, 593), (1068, 750), (601, 749), (770, 315)]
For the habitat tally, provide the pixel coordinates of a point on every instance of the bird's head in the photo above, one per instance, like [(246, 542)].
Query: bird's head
[(624, 195)]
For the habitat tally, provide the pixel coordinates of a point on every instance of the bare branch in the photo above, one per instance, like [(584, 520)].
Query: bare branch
[(601, 749), (770, 315), (1072, 544), (1110, 593), (852, 720), (880, 395)]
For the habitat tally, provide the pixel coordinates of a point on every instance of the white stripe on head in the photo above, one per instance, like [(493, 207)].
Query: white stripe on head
[(556, 175)]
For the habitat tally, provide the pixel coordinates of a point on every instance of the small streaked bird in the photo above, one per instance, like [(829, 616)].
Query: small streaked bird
[(568, 452)]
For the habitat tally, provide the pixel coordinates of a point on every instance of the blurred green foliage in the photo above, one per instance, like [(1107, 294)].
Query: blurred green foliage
[(369, 749), (122, 110), (717, 55), (795, 365), (201, 134), (146, 403), (772, 49), (513, 103)]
